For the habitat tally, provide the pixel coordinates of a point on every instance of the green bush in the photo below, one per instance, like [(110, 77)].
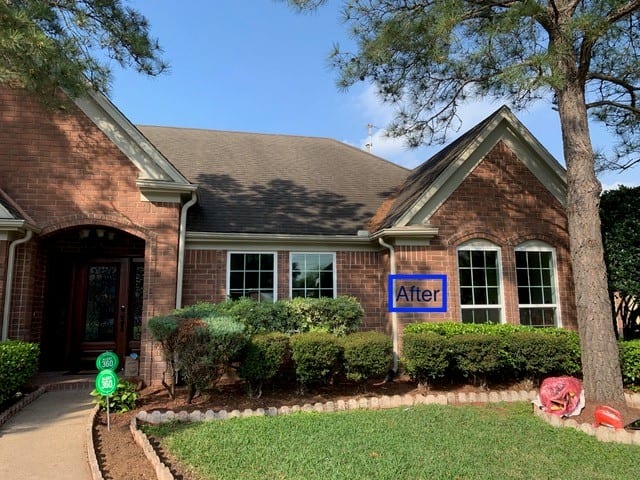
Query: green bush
[(450, 329), (204, 349), (199, 310), (630, 363), (340, 316), (316, 356), (164, 329), (122, 400), (366, 355), (426, 356), (262, 359), (538, 354), (258, 317), (18, 364), (479, 356)]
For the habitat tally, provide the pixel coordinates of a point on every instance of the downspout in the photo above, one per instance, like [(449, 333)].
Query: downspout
[(8, 286), (394, 315), (181, 247)]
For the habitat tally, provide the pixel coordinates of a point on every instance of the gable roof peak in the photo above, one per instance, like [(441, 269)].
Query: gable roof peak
[(434, 180)]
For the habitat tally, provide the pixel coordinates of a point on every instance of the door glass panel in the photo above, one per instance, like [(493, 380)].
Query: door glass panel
[(102, 289), (138, 279)]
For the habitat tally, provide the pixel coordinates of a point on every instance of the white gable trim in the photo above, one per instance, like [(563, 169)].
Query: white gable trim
[(157, 174), (504, 127)]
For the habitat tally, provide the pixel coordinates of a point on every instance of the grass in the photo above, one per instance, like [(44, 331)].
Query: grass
[(503, 441)]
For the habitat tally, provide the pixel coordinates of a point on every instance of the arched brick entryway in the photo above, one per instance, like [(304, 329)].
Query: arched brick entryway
[(93, 295)]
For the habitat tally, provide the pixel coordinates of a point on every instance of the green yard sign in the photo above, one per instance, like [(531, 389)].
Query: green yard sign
[(106, 382), (107, 360)]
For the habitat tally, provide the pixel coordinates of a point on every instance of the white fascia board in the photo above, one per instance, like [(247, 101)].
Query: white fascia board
[(528, 149), (159, 191), (142, 153), (8, 227), (278, 242), (407, 235)]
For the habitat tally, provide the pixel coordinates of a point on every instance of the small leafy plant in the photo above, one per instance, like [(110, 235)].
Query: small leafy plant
[(121, 401)]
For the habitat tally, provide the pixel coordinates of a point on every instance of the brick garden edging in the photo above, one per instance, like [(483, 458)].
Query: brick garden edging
[(16, 407), (604, 434)]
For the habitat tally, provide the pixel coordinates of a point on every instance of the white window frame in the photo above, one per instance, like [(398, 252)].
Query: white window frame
[(335, 275), (474, 246), (240, 252), (539, 246)]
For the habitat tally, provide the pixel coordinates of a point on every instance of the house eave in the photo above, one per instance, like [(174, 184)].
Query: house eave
[(160, 191), (412, 232), (9, 228), (263, 241)]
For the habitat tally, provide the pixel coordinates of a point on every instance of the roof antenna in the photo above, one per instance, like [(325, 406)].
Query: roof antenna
[(369, 144)]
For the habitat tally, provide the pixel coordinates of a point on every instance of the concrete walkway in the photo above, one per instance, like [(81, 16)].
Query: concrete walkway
[(47, 439)]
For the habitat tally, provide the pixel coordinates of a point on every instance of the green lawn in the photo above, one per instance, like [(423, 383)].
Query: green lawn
[(504, 441)]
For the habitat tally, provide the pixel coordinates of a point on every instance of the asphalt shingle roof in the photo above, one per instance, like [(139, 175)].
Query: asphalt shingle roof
[(262, 183), (423, 176)]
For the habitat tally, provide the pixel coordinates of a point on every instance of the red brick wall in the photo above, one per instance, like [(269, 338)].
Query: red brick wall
[(64, 172), (358, 274), (500, 201), (503, 202)]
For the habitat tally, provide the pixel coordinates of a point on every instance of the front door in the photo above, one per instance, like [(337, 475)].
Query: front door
[(106, 309)]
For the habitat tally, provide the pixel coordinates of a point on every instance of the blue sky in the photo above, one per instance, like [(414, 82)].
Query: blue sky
[(256, 66)]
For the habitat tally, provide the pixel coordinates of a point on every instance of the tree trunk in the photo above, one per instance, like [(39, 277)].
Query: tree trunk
[(600, 362)]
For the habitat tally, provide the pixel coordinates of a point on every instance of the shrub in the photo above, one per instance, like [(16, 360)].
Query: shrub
[(262, 358), (630, 363), (18, 364), (366, 355), (316, 356), (204, 348), (537, 354), (164, 329), (198, 310), (258, 317), (450, 329), (339, 315), (122, 400), (479, 356), (426, 356)]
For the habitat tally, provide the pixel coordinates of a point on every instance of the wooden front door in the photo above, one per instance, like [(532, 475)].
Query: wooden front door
[(106, 309)]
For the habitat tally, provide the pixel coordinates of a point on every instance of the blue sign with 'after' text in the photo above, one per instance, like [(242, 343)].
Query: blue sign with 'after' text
[(417, 293)]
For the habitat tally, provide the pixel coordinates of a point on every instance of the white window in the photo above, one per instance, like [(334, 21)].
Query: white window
[(480, 280), (312, 275), (251, 275), (537, 287)]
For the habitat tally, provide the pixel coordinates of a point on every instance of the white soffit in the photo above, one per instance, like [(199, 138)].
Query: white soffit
[(504, 127)]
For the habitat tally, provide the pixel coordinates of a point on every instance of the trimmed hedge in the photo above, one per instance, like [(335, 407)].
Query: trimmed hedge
[(262, 358), (450, 329), (478, 356), (486, 352), (339, 315), (18, 364), (317, 357), (538, 354), (164, 329), (199, 349), (426, 356), (630, 363), (366, 355)]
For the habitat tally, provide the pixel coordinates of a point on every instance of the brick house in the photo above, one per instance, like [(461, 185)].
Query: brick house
[(104, 224)]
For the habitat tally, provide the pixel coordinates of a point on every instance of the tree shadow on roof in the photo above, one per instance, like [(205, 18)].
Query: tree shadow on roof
[(277, 206)]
